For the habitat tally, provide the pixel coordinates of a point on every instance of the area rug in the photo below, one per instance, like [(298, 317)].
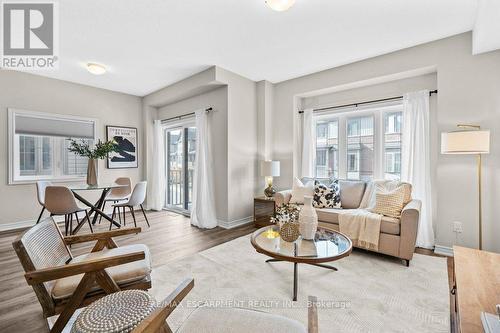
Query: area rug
[(369, 292)]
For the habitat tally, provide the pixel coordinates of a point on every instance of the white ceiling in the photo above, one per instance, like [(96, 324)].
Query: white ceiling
[(150, 44)]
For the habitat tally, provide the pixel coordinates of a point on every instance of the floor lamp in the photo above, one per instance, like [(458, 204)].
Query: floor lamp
[(469, 140)]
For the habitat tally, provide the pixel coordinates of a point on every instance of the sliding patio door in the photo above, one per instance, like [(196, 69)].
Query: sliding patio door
[(180, 158)]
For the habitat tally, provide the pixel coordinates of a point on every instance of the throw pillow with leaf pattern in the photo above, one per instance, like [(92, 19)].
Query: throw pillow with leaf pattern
[(326, 196)]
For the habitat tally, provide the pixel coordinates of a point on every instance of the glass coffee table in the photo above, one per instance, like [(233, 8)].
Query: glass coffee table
[(328, 245)]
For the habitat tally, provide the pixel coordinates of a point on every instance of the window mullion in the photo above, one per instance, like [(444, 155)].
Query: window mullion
[(342, 139), (379, 145)]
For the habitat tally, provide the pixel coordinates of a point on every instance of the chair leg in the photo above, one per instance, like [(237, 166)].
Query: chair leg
[(407, 263), (77, 219), (119, 215), (40, 216), (66, 221), (112, 217), (133, 214), (88, 220), (143, 212), (70, 224), (103, 206), (124, 223)]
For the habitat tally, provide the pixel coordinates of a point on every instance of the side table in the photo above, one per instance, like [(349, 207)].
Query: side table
[(263, 209)]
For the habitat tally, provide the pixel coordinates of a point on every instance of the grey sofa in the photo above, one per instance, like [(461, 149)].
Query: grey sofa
[(397, 235)]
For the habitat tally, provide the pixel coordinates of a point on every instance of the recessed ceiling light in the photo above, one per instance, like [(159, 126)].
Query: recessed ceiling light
[(96, 69), (280, 5)]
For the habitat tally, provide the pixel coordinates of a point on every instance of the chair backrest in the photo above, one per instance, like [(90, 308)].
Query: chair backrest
[(41, 185), (42, 246), (122, 191), (138, 194), (59, 200)]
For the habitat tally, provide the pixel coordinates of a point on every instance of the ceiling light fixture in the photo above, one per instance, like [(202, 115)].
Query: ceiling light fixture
[(280, 5), (96, 69)]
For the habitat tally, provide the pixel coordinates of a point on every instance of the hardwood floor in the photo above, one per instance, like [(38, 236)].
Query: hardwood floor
[(170, 237)]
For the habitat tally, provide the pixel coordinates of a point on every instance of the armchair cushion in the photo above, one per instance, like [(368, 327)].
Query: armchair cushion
[(217, 320), (122, 274)]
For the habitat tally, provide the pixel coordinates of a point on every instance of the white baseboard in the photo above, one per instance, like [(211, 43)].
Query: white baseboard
[(443, 250), (29, 223), (235, 223), (17, 225)]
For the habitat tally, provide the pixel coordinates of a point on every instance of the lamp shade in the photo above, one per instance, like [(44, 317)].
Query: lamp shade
[(465, 142), (270, 168)]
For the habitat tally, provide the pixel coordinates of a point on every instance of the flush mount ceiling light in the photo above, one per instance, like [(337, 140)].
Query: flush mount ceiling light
[(96, 69), (280, 5)]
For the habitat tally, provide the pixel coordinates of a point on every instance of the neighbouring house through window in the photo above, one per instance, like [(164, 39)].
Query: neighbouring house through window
[(360, 144), (39, 146)]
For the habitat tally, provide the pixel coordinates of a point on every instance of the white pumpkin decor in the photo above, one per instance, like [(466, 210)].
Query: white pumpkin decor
[(308, 219)]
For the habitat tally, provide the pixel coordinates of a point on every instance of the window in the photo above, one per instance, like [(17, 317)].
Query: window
[(180, 147), (360, 148), (369, 142), (39, 146), (392, 144), (327, 149)]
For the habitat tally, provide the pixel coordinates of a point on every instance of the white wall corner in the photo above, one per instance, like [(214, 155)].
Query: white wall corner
[(235, 223), (443, 250)]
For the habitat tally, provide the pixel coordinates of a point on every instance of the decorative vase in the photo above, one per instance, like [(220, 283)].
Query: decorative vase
[(289, 231), (92, 172), (308, 219)]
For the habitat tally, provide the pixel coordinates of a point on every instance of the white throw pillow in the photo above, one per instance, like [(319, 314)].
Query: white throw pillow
[(299, 190)]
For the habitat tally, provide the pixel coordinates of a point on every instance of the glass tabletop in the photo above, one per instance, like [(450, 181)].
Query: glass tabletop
[(100, 186), (327, 244)]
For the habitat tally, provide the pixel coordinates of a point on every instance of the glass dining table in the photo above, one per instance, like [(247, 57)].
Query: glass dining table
[(97, 207)]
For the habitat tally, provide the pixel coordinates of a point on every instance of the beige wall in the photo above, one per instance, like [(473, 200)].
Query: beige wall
[(18, 203), (235, 129), (216, 99), (469, 92)]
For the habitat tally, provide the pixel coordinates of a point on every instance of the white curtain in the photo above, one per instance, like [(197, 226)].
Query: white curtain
[(415, 159), (156, 199), (203, 200), (308, 144)]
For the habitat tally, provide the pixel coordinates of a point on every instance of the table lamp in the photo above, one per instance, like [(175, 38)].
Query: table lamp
[(469, 140), (269, 169)]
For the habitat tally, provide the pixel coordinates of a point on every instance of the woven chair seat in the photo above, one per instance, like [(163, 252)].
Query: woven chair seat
[(118, 312)]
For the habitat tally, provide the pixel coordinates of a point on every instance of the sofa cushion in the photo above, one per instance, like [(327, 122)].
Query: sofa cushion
[(326, 196), (300, 190), (351, 193), (122, 274), (222, 319), (388, 225), (389, 203)]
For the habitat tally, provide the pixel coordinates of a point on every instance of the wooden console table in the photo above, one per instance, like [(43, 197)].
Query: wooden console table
[(477, 287), (263, 210)]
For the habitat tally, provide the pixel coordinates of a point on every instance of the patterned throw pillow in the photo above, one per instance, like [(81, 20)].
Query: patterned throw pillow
[(326, 196), (390, 203)]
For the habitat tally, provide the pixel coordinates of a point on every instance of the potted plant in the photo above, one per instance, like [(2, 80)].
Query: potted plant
[(98, 152)]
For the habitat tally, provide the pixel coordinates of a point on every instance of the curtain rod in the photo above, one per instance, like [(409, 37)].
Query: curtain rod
[(184, 115), (367, 102)]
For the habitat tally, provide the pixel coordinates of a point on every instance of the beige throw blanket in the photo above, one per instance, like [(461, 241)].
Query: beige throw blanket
[(362, 227)]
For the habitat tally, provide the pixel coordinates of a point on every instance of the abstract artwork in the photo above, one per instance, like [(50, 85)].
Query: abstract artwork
[(126, 154)]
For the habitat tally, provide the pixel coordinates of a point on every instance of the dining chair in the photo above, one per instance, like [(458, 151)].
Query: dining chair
[(136, 199), (41, 185), (118, 194), (59, 200)]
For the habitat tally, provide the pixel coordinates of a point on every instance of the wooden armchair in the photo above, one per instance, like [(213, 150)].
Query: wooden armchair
[(63, 282), (214, 320)]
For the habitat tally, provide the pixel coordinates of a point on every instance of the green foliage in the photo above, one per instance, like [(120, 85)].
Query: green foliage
[(99, 152)]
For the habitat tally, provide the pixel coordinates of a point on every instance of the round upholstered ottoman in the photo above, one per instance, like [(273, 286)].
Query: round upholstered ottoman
[(118, 312)]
